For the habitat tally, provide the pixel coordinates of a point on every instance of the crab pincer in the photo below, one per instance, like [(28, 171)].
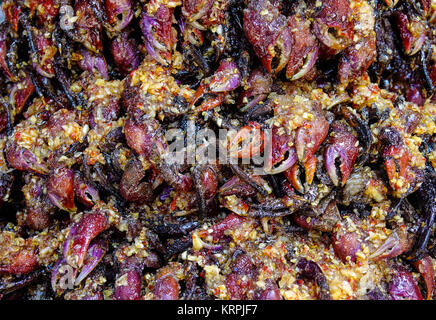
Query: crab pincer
[(258, 85), (3, 55), (225, 79), (158, 33), (248, 142), (81, 235), (131, 186), (342, 146), (304, 52), (426, 269), (268, 32), (333, 25), (23, 159), (412, 32), (280, 155), (119, 13), (60, 189), (85, 193), (396, 244)]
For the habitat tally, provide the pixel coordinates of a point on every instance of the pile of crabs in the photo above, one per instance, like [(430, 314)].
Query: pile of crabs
[(335, 95)]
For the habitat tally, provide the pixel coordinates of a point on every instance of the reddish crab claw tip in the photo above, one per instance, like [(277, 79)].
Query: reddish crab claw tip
[(304, 51), (269, 35), (307, 63), (157, 31), (333, 25), (426, 269), (226, 78), (280, 156), (412, 32), (94, 254), (342, 147), (248, 142), (84, 192), (309, 137), (293, 176), (60, 189), (403, 179), (80, 237)]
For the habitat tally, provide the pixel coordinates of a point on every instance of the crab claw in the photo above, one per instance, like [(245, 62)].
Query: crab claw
[(403, 286), (93, 63), (269, 34), (60, 189), (333, 24), (80, 236), (426, 269), (141, 136), (248, 142), (226, 78), (167, 287), (119, 13), (401, 175), (357, 58), (397, 243), (59, 270), (280, 156), (22, 262), (87, 27), (124, 51), (94, 254), (238, 187), (293, 176), (20, 93), (3, 56), (85, 193), (412, 32), (157, 31), (258, 86), (23, 159), (206, 184), (128, 286), (309, 137), (304, 50), (194, 10), (342, 146), (346, 244)]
